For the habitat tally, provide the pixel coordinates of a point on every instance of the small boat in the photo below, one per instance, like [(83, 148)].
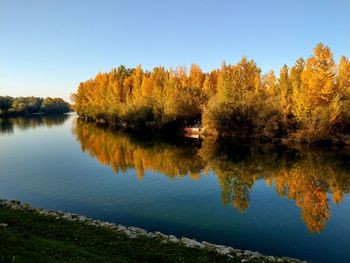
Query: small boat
[(194, 129), (192, 135)]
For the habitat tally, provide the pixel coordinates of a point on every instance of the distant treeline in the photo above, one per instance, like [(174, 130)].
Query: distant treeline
[(10, 106), (309, 101)]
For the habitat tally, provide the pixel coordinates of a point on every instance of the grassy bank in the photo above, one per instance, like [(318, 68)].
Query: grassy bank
[(34, 235), (30, 237)]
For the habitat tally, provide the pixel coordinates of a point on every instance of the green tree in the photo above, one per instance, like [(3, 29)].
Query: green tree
[(5, 104)]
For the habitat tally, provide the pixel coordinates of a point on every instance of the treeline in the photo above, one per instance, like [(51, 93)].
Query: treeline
[(10, 106), (309, 101)]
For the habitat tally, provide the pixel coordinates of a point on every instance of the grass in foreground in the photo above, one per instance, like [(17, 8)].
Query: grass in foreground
[(30, 237)]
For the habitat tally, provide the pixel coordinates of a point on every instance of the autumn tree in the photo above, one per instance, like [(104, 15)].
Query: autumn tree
[(319, 77), (343, 87), (137, 82), (310, 101), (210, 85), (196, 77), (270, 84), (285, 90), (298, 98), (319, 101), (343, 76)]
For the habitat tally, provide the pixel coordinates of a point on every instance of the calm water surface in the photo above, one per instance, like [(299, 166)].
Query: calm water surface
[(275, 200)]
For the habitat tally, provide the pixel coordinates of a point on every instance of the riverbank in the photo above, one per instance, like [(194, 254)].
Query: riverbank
[(38, 235), (35, 114), (339, 140)]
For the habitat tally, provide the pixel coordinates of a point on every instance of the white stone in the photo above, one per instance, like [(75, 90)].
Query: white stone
[(173, 238), (224, 250), (133, 232), (191, 243), (130, 234), (161, 234), (137, 230)]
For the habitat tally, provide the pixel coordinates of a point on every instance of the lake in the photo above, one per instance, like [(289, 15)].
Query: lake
[(278, 200)]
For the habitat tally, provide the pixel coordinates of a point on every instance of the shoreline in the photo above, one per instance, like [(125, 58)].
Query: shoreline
[(232, 254), (31, 114), (342, 140)]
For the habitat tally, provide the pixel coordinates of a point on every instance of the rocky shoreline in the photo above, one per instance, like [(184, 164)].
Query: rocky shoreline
[(134, 232)]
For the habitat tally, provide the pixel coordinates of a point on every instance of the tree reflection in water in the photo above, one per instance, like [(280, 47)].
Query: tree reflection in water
[(7, 125), (308, 176)]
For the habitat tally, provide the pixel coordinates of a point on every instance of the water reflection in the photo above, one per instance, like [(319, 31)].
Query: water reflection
[(7, 125), (309, 177), (121, 151), (301, 174)]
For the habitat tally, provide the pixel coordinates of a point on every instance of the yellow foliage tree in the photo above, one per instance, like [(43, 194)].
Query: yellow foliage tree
[(319, 77), (270, 84), (343, 76), (309, 101), (285, 90)]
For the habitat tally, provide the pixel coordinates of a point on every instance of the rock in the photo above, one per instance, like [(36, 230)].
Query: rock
[(137, 230), (15, 207), (134, 232), (82, 219), (271, 258), (173, 239), (121, 228), (130, 234), (25, 206), (75, 216), (67, 216), (150, 235), (159, 234), (113, 227), (207, 244), (103, 224), (59, 212), (224, 250), (191, 242), (52, 213)]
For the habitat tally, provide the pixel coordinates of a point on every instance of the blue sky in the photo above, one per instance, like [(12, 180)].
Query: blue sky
[(48, 46)]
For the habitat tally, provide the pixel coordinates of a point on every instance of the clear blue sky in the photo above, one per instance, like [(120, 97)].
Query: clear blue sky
[(48, 46)]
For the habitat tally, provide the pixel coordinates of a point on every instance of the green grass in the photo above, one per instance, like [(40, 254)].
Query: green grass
[(31, 237)]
